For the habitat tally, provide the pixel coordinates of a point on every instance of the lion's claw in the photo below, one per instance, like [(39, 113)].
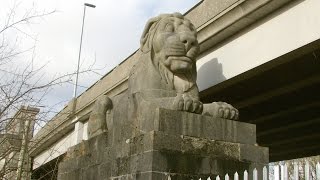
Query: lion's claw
[(221, 110), (187, 103)]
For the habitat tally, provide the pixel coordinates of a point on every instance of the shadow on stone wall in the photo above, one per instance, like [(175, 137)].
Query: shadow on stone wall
[(210, 74)]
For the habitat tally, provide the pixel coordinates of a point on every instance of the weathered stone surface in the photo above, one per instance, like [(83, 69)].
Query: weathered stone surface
[(156, 151), (181, 123), (168, 150)]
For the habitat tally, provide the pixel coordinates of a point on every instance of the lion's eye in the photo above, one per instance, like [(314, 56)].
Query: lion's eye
[(169, 28)]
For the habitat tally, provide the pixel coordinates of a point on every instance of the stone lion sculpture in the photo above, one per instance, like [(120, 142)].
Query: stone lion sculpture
[(164, 77)]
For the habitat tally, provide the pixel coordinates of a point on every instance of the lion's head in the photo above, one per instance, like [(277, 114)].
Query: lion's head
[(171, 41)]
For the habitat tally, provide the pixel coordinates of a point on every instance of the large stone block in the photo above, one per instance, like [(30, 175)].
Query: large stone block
[(180, 145), (189, 124)]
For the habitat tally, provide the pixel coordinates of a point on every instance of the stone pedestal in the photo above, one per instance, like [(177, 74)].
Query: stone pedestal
[(181, 145)]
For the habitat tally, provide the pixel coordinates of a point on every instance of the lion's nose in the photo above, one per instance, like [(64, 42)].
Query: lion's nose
[(188, 40)]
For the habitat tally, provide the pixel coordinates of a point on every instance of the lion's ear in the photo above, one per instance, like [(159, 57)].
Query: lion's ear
[(147, 35)]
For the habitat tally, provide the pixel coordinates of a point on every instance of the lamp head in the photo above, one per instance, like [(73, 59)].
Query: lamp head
[(89, 5)]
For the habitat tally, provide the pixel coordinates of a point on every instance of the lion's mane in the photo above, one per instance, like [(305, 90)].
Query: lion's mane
[(150, 73)]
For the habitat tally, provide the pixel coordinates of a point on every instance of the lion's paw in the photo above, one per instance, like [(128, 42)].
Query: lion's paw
[(183, 102), (221, 110)]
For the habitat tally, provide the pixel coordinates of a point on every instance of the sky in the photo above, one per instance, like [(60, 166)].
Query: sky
[(111, 33)]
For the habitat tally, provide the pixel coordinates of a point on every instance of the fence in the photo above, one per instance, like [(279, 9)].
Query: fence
[(277, 171)]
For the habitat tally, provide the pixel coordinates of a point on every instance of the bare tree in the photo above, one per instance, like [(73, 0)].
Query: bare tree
[(22, 82)]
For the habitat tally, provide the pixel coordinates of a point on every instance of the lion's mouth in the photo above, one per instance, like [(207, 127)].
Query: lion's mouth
[(180, 58)]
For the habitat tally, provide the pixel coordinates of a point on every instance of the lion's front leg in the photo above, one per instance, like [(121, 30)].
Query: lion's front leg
[(97, 121), (221, 110)]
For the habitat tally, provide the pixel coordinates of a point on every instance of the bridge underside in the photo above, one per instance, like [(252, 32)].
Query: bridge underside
[(48, 170), (282, 97)]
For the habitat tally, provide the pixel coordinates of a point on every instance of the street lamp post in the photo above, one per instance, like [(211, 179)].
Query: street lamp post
[(78, 65)]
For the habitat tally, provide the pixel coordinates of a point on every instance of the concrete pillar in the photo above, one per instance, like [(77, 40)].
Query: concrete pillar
[(78, 132)]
